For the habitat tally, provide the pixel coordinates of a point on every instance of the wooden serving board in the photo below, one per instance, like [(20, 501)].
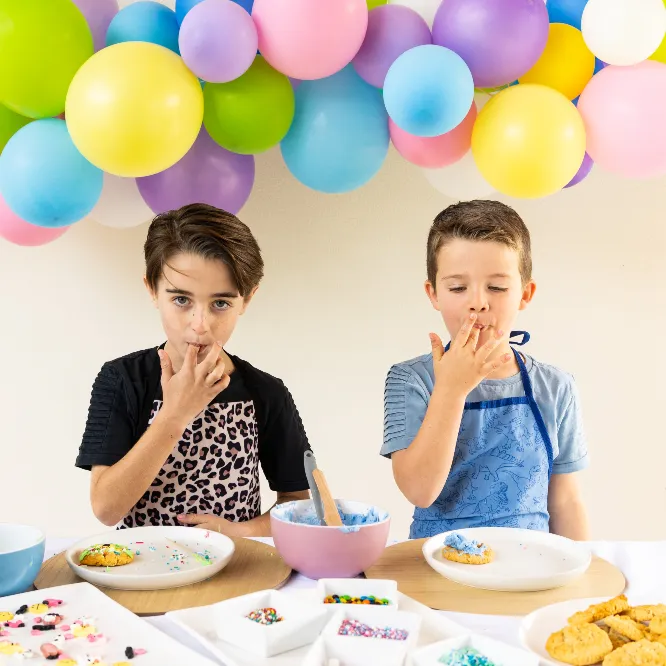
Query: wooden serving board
[(405, 564), (254, 566)]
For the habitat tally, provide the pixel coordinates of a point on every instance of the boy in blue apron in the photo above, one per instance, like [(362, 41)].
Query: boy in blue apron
[(479, 433)]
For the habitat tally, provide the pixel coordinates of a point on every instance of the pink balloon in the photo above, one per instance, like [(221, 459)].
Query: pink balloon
[(623, 111), (434, 152), (310, 39), (19, 232)]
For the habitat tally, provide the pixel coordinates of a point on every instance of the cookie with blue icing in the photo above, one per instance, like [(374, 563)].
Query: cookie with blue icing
[(457, 548)]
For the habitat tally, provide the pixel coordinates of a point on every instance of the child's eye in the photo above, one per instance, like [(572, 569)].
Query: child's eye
[(181, 301), (498, 288), (221, 305), (457, 290)]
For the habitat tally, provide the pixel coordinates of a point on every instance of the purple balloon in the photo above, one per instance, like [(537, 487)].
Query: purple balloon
[(99, 14), (218, 40), (500, 40), (392, 30), (582, 172), (207, 174)]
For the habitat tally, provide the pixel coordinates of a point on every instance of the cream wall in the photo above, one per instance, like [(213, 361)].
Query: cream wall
[(341, 301)]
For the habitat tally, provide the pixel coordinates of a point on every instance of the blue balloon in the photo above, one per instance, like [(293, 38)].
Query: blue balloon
[(184, 6), (145, 21), (339, 137), (566, 11), (43, 177), (428, 90)]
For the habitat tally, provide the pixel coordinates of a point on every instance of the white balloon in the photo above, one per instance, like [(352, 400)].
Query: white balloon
[(121, 205), (427, 8), (623, 32), (461, 181)]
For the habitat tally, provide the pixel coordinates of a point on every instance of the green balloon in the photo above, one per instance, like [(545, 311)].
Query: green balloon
[(375, 3), (10, 123), (42, 45), (251, 113)]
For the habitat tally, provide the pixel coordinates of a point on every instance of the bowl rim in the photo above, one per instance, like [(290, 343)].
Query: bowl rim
[(41, 540), (328, 527)]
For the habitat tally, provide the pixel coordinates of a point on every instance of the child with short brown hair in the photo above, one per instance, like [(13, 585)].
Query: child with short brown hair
[(479, 434)]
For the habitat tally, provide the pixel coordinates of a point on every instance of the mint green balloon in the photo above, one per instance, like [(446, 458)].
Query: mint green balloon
[(42, 45), (10, 123), (251, 113)]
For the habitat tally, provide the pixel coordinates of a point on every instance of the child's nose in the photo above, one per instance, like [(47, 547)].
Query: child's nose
[(477, 301), (199, 321)]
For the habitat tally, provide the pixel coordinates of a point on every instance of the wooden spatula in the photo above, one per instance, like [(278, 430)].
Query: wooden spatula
[(331, 514)]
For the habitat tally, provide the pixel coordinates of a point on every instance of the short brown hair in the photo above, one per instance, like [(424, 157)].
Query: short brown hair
[(480, 220), (207, 232)]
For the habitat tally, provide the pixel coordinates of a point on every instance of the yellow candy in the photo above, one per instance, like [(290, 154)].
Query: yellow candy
[(67, 662), (83, 630), (38, 609), (6, 616), (10, 648)]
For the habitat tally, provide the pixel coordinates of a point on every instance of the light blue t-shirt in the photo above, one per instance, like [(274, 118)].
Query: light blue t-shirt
[(409, 386)]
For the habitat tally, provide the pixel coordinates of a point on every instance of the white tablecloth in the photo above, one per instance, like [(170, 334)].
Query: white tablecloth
[(642, 564)]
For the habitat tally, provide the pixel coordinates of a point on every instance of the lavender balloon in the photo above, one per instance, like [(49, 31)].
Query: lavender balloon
[(218, 40), (98, 14), (392, 30), (499, 40), (582, 172), (207, 174)]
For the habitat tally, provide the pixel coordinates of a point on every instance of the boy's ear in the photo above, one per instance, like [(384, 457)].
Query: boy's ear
[(528, 294), (247, 299), (151, 293), (432, 294)]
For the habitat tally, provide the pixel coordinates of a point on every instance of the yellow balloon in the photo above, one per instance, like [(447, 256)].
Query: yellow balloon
[(566, 63), (528, 141), (134, 109)]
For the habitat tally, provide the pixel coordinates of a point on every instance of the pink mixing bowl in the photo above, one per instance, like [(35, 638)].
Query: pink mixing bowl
[(330, 552)]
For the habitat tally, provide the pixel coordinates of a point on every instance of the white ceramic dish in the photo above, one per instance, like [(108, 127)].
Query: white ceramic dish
[(119, 627), (358, 587), (525, 560), (499, 653), (539, 625), (302, 623), (200, 624), (157, 565)]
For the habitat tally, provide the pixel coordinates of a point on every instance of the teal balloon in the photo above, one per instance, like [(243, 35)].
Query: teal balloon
[(339, 137), (44, 179), (145, 21)]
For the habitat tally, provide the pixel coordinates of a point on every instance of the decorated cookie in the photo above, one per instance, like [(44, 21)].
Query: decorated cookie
[(466, 551), (106, 555), (579, 644)]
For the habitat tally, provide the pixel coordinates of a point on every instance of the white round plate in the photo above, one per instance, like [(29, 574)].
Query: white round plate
[(539, 625), (159, 563), (525, 560)]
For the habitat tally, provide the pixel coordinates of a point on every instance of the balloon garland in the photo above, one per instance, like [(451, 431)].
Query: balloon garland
[(118, 114)]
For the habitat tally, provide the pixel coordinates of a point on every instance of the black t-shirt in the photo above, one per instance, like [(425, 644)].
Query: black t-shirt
[(214, 466)]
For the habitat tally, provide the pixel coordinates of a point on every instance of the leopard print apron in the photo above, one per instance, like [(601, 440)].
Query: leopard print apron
[(214, 469)]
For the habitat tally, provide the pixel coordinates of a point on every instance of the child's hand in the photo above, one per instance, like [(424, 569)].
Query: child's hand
[(187, 392), (464, 367), (213, 523)]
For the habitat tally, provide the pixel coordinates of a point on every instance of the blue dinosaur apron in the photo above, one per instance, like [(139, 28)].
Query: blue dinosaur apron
[(501, 467)]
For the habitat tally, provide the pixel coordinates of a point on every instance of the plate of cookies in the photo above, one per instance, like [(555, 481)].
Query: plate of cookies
[(150, 558), (601, 631), (507, 559)]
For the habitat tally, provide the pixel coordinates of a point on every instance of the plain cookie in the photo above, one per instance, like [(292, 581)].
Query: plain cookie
[(643, 653), (598, 612), (579, 644)]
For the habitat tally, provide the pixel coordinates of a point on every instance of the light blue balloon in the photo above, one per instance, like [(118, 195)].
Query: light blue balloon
[(339, 137), (428, 90), (43, 177), (145, 21), (566, 11)]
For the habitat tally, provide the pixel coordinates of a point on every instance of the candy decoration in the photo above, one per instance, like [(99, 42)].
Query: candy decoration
[(265, 616), (360, 630), (346, 599), (466, 657)]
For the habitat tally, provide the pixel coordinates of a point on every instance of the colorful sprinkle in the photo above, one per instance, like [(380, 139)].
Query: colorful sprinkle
[(358, 629), (265, 616), (346, 599), (465, 657)]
